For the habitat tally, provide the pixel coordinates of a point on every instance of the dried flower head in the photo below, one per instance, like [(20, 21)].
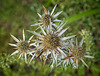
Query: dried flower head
[(22, 46), (51, 41), (46, 17), (78, 52)]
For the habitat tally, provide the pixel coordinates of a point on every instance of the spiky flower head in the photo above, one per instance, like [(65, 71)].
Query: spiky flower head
[(51, 41), (22, 46), (78, 52), (46, 17)]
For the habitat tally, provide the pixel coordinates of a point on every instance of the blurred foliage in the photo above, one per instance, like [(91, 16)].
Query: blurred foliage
[(16, 15), (87, 39)]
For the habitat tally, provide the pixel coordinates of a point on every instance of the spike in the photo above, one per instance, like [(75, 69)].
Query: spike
[(41, 53), (67, 57), (56, 51), (45, 10)]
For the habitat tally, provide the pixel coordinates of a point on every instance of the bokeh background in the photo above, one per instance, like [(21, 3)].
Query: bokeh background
[(16, 15)]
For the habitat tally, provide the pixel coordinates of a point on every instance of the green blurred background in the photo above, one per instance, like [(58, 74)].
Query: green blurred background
[(16, 15)]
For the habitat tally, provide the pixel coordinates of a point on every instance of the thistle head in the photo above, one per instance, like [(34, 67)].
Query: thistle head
[(45, 19), (78, 52), (23, 46), (51, 41)]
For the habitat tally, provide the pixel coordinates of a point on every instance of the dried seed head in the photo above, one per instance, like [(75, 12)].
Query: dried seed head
[(23, 46), (51, 41), (45, 19), (78, 52)]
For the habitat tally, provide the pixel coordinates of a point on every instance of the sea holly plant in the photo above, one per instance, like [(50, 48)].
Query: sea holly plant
[(51, 40), (77, 51), (22, 46), (47, 16), (50, 43)]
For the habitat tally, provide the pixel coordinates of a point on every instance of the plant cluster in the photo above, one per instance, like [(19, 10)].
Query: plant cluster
[(51, 45)]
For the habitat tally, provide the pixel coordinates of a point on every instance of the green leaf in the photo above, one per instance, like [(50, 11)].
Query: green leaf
[(81, 15), (47, 3)]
